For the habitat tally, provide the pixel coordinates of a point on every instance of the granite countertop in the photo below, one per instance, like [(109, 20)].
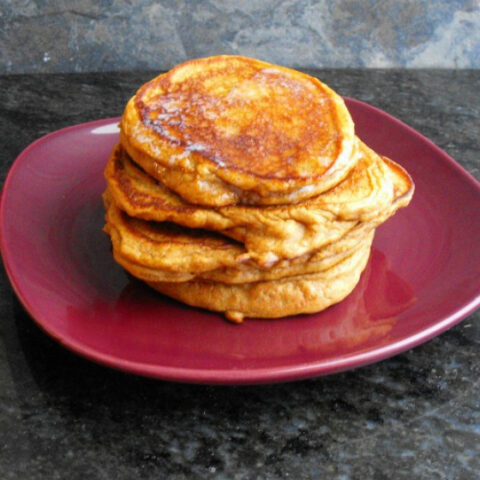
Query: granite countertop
[(416, 415)]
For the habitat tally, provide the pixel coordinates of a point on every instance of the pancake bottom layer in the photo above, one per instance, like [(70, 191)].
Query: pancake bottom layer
[(272, 299)]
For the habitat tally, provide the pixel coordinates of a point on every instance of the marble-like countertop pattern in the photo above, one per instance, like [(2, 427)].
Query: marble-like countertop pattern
[(416, 415)]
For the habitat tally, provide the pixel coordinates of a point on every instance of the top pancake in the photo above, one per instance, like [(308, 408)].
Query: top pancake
[(231, 130)]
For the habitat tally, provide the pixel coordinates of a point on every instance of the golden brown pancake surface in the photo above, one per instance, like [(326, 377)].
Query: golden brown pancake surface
[(227, 130)]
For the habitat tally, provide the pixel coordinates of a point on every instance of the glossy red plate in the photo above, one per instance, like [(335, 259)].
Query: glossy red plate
[(422, 278)]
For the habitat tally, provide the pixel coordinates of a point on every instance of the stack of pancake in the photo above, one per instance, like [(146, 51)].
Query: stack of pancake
[(239, 186)]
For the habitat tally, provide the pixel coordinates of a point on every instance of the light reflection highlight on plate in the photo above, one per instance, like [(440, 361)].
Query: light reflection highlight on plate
[(110, 128)]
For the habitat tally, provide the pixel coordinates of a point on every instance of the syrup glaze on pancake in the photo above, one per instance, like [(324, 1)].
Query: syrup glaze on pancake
[(237, 130), (372, 191)]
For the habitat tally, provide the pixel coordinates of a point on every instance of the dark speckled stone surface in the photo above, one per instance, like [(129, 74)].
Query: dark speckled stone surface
[(416, 415)]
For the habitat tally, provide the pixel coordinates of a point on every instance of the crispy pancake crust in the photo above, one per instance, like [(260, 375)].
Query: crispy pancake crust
[(233, 130), (373, 191)]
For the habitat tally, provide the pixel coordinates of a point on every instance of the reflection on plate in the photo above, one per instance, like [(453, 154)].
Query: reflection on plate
[(421, 279)]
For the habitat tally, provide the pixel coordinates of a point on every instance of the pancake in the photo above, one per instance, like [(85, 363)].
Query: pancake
[(272, 299), (162, 251), (240, 187), (373, 190), (231, 130)]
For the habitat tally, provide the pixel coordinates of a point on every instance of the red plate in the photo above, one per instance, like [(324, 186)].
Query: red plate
[(423, 276)]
